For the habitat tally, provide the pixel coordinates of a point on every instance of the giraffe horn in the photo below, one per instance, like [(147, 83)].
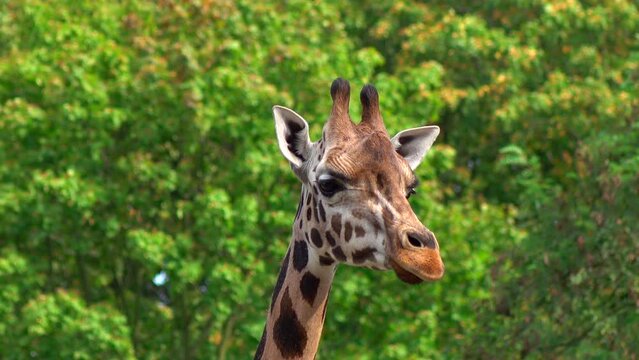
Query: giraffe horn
[(340, 93), (370, 106)]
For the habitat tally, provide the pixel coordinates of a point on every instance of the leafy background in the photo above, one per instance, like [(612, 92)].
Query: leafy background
[(144, 207)]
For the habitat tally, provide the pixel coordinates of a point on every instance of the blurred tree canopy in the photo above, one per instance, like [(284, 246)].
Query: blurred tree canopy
[(144, 207)]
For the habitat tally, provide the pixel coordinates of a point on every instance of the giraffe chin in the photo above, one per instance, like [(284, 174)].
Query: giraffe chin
[(405, 275)]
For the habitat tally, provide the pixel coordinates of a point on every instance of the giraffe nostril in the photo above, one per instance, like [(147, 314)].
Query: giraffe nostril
[(415, 241), (422, 240)]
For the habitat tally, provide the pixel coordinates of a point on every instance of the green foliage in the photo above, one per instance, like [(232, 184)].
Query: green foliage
[(59, 325), (136, 143), (582, 252)]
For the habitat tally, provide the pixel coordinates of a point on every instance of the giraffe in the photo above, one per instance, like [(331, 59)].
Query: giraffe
[(353, 209)]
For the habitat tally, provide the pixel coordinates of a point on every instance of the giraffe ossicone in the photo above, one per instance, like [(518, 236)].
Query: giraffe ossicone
[(353, 209)]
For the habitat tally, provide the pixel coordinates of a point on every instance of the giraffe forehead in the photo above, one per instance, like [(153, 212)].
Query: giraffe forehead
[(372, 160)]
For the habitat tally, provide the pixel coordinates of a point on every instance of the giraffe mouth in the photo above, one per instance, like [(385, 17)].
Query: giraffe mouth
[(405, 275)]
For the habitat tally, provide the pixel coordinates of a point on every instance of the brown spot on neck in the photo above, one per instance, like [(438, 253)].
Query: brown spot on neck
[(260, 348), (308, 287), (280, 278), (288, 333), (300, 255)]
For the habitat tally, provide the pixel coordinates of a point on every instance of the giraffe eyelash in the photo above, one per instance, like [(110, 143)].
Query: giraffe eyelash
[(411, 189)]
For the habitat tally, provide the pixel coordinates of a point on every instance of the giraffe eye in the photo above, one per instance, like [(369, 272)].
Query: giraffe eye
[(329, 186), (411, 188)]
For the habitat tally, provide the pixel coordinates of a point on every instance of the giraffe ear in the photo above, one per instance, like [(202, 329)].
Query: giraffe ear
[(292, 135), (414, 143)]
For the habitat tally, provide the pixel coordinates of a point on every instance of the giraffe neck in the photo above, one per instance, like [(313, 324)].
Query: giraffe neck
[(298, 306)]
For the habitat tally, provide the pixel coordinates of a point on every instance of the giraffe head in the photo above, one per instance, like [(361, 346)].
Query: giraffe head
[(356, 184)]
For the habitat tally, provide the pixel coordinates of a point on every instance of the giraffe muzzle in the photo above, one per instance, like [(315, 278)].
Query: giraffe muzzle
[(417, 258)]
